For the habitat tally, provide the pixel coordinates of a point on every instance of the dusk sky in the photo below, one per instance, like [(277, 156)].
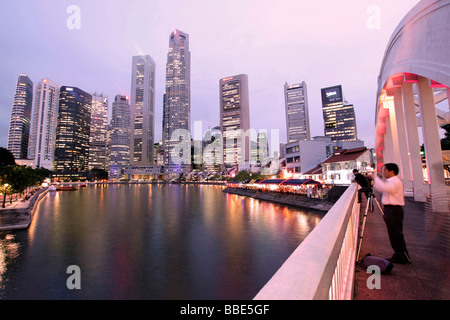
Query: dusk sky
[(323, 43)]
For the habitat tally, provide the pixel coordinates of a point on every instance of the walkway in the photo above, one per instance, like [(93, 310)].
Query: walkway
[(427, 237)]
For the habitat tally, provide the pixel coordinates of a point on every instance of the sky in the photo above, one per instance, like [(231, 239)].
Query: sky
[(323, 42)]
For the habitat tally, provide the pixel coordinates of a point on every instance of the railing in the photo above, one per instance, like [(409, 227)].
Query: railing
[(323, 266)]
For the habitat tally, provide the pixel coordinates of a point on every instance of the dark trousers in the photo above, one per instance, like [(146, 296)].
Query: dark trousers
[(366, 191), (393, 217)]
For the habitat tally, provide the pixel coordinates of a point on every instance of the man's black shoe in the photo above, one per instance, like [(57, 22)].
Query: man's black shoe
[(400, 259)]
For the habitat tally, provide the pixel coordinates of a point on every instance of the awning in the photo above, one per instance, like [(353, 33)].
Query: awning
[(272, 181), (299, 182)]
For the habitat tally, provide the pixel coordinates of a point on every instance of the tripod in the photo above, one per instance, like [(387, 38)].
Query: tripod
[(369, 207), (370, 199)]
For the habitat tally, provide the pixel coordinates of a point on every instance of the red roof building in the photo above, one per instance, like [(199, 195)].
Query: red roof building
[(338, 169)]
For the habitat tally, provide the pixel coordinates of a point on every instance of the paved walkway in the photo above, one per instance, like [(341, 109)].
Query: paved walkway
[(427, 237), (15, 203)]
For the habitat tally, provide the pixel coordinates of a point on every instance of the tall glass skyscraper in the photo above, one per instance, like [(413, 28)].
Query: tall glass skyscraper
[(43, 130), (338, 115), (234, 119), (297, 115), (19, 125), (99, 128), (72, 134), (142, 104), (119, 147), (177, 98)]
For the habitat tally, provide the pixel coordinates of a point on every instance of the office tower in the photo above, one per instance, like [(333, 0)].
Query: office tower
[(99, 128), (41, 148), (142, 104), (72, 134), (338, 115), (120, 133), (177, 100), (234, 119), (19, 125), (297, 116)]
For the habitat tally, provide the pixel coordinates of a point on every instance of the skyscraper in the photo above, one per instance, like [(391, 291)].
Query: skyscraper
[(19, 126), (177, 98), (234, 119), (72, 134), (43, 130), (98, 135), (142, 104), (297, 115), (338, 115), (119, 148)]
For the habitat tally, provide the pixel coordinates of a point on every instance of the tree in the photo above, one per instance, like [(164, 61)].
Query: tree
[(6, 157), (445, 142), (246, 175), (97, 174)]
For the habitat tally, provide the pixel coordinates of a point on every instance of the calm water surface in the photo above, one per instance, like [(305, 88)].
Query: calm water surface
[(150, 242)]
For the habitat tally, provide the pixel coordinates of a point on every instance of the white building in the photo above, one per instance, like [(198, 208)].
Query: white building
[(338, 169), (304, 155), (41, 148)]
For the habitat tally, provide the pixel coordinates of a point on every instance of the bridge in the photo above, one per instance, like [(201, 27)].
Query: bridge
[(413, 92)]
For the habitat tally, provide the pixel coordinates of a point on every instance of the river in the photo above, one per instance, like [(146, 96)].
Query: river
[(150, 242)]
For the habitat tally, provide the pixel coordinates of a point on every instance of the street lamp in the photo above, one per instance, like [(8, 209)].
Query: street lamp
[(4, 195)]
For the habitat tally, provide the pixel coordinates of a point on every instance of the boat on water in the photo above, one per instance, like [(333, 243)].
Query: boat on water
[(66, 188), (52, 188)]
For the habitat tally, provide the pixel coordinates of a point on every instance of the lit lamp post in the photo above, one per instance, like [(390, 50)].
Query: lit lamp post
[(4, 195)]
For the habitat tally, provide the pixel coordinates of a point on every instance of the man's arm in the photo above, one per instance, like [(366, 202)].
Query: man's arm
[(383, 186)]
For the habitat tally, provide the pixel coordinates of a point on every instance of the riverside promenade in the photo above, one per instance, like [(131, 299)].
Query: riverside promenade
[(19, 214), (284, 198), (427, 236)]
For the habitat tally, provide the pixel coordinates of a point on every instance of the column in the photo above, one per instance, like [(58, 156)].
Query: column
[(448, 98), (433, 153), (388, 155), (404, 163), (413, 142), (393, 137)]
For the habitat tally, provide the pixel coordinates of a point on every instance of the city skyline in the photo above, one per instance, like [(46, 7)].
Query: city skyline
[(243, 48)]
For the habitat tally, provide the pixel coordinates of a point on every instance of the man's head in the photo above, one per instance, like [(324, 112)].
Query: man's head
[(390, 170), (355, 171)]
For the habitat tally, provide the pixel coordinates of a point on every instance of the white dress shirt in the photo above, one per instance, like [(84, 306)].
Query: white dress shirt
[(392, 190)]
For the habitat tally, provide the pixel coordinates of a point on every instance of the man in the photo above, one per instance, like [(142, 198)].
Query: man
[(362, 181), (393, 201)]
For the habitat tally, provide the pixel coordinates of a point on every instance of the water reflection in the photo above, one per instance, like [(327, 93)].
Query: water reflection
[(9, 252), (151, 242)]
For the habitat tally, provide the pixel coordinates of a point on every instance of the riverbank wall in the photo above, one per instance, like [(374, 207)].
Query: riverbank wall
[(284, 198), (21, 215)]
